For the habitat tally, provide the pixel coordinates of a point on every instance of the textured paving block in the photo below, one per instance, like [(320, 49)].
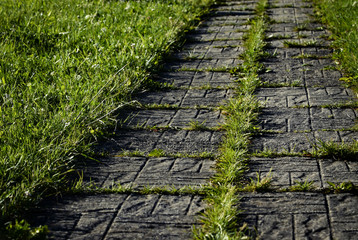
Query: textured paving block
[(283, 203), (286, 171), (170, 141), (197, 79), (285, 119), (151, 217), (175, 118), (139, 172), (187, 98), (335, 118), (286, 215), (329, 95), (112, 215), (282, 97), (339, 171), (292, 142), (302, 119), (344, 215)]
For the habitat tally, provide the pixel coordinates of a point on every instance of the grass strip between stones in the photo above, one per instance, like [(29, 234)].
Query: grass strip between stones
[(220, 220)]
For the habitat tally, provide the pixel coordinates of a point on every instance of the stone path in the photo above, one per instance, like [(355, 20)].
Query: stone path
[(301, 215), (215, 45)]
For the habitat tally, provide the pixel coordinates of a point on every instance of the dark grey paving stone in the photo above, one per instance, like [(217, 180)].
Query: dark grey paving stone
[(155, 217), (187, 98), (282, 97), (291, 142), (308, 72), (329, 95), (283, 28), (286, 171), (303, 119), (78, 215), (285, 119), (114, 216), (214, 79), (194, 79), (286, 215), (210, 52), (178, 79), (180, 118), (339, 171), (171, 141), (139, 172), (344, 215), (290, 97)]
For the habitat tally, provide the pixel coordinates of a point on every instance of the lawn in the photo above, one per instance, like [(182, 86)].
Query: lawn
[(66, 68), (342, 19)]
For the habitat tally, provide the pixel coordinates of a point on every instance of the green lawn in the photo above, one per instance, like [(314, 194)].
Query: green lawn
[(342, 19), (66, 67)]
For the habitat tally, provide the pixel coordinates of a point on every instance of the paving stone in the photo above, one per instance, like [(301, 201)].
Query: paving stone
[(344, 215), (303, 119), (171, 141), (193, 79), (282, 97), (292, 142), (286, 215), (139, 172), (109, 216), (187, 98), (339, 171), (285, 119), (329, 95), (286, 171), (180, 118), (151, 217)]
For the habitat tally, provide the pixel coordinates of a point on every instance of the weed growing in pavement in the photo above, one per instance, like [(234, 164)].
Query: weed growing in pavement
[(337, 151), (220, 218), (260, 184), (197, 126), (270, 153), (295, 83), (305, 186), (343, 187), (79, 187), (349, 104)]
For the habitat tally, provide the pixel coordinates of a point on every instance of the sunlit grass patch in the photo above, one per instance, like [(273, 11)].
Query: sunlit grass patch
[(342, 19), (66, 68)]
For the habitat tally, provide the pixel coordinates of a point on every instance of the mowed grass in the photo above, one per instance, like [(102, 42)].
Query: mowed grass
[(66, 67), (342, 19)]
